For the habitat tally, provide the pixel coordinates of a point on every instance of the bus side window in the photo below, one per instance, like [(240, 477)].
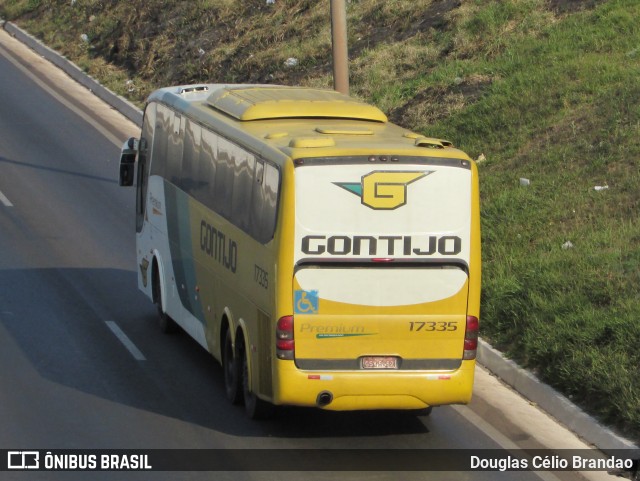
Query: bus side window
[(224, 178), (146, 139), (208, 151), (159, 147), (270, 211), (192, 180), (256, 214), (242, 189), (141, 193), (175, 125)]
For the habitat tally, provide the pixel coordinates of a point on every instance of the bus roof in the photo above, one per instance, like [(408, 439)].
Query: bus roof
[(277, 102), (299, 122)]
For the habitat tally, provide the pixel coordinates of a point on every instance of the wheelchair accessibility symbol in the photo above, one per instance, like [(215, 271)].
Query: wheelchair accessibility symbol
[(305, 302)]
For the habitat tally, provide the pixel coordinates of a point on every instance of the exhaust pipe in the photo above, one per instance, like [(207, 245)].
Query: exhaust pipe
[(324, 398)]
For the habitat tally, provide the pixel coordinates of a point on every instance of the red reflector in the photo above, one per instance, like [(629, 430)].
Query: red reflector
[(285, 323), (285, 344), (472, 324), (313, 376), (470, 344), (471, 338), (382, 259)]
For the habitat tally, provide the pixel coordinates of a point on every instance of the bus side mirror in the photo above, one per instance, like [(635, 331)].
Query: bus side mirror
[(128, 161)]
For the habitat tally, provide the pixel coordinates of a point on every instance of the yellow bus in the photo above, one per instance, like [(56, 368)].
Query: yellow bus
[(325, 256)]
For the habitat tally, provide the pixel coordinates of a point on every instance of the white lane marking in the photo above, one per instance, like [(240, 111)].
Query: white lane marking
[(124, 339), (60, 99), (4, 200), (498, 437)]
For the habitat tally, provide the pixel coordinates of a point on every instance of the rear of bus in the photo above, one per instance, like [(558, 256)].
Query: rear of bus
[(385, 284)]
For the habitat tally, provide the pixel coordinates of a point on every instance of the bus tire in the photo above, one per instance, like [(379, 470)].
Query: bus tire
[(232, 384), (167, 325), (255, 407)]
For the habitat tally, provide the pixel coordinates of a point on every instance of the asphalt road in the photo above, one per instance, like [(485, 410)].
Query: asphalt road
[(69, 304)]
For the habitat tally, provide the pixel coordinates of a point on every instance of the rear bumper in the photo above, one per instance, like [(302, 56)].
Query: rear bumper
[(361, 390)]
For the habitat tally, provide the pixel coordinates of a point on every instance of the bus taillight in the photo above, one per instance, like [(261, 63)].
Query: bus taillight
[(471, 338), (285, 345)]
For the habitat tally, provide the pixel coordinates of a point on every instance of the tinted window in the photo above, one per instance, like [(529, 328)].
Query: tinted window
[(160, 138), (208, 154), (243, 189), (217, 173), (175, 125), (194, 175), (146, 139), (224, 177), (270, 190)]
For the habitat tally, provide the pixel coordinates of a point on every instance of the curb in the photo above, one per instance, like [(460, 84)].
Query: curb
[(550, 401), (119, 103), (522, 381)]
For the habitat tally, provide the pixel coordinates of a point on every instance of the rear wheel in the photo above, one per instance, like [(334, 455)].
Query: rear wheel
[(167, 325), (255, 407), (232, 384)]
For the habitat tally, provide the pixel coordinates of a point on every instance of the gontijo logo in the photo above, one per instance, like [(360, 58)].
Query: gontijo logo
[(383, 190)]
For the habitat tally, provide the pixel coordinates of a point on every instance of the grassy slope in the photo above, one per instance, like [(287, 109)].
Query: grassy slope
[(545, 90)]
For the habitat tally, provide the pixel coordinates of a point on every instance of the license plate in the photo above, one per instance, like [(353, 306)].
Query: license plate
[(379, 362)]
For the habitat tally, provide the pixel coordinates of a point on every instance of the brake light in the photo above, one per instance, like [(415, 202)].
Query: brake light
[(285, 345), (471, 338)]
